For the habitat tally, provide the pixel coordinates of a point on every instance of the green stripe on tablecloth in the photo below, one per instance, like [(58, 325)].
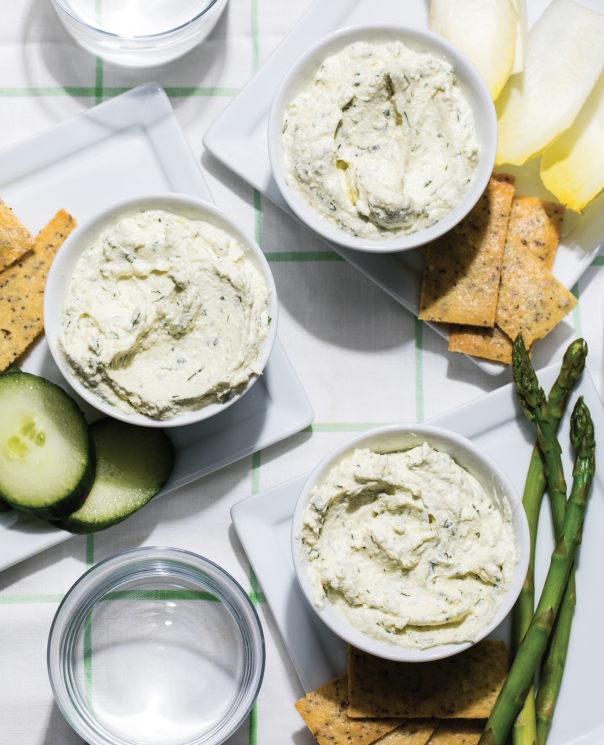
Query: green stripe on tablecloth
[(343, 426), (256, 462), (419, 372), (88, 631), (256, 458), (30, 599), (598, 261), (577, 312), (303, 256), (163, 594), (112, 91)]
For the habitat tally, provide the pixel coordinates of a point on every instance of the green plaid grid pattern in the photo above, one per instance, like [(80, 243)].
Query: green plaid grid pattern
[(361, 357)]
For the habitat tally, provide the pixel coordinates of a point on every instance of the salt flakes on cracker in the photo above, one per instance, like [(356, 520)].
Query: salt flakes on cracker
[(324, 712), (463, 267), (15, 239), (537, 225), (531, 300), (458, 732), (464, 686), (413, 732), (491, 344), (22, 289)]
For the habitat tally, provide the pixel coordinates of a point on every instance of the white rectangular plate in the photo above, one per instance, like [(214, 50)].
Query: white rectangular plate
[(133, 144), (238, 139), (496, 423)]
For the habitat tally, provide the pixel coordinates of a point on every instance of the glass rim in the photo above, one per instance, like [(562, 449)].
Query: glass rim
[(68, 622), (110, 34)]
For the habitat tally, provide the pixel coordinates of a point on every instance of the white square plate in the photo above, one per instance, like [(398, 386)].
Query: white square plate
[(496, 423), (238, 138), (133, 144)]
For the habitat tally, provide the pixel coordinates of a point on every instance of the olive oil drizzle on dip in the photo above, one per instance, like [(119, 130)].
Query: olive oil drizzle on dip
[(409, 547), (164, 315), (383, 142)]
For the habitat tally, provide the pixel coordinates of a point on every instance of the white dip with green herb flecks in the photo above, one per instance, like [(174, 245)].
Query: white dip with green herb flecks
[(164, 315), (409, 547), (383, 142)]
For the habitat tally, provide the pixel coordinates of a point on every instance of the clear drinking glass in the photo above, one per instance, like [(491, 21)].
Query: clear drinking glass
[(156, 646), (139, 33)]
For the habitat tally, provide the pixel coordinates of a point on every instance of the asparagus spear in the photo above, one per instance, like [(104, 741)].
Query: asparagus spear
[(532, 399), (514, 691), (525, 726), (582, 439)]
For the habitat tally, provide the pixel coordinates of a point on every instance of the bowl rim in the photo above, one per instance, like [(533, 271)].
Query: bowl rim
[(341, 626), (67, 620), (404, 33), (58, 280), (62, 8)]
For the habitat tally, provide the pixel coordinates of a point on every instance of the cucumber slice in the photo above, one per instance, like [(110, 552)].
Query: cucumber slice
[(46, 455), (133, 464)]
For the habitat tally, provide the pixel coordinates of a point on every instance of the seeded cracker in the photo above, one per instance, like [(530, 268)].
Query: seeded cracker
[(463, 267), (458, 732), (22, 290), (531, 299), (413, 732), (537, 225), (491, 344), (15, 239), (324, 712), (464, 686)]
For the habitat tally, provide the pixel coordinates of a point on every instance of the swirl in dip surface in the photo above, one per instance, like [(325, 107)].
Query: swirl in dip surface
[(383, 142), (408, 547), (164, 315)]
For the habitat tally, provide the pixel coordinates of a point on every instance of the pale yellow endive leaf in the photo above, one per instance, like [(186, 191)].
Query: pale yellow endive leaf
[(521, 31), (573, 167), (564, 59), (484, 30)]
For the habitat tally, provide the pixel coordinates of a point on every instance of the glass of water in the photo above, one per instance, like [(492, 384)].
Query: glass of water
[(139, 33), (157, 646)]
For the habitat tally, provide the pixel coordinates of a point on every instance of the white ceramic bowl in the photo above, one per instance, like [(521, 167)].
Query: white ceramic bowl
[(396, 438), (61, 272), (302, 73)]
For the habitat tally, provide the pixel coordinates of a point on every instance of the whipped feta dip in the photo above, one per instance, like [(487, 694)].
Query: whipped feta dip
[(164, 315), (383, 142), (408, 547)]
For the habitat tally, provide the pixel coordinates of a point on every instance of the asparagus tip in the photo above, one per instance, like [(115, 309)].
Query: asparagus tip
[(582, 434)]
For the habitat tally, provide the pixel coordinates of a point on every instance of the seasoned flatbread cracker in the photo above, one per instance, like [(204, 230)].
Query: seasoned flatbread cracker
[(324, 712), (531, 300), (15, 239), (463, 267), (458, 732), (509, 178), (413, 732), (490, 344), (464, 686), (22, 289), (537, 225)]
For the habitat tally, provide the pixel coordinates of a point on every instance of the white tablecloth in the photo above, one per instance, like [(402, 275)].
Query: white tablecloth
[(360, 356)]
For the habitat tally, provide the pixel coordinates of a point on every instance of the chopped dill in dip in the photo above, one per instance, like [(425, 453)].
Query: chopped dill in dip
[(383, 142), (409, 547), (164, 315)]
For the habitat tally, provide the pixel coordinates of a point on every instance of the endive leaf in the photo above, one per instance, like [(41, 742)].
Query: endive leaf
[(573, 167), (484, 30), (564, 59), (521, 27)]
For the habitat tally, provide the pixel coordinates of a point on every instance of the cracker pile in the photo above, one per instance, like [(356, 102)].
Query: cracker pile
[(24, 265), (445, 702), (489, 278)]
